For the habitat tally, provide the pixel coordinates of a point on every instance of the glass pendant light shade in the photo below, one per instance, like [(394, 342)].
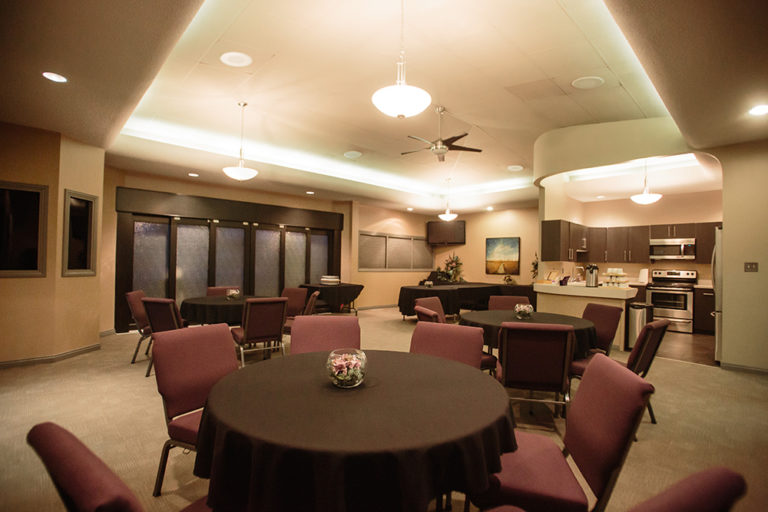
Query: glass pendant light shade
[(646, 197), (241, 172), (448, 216)]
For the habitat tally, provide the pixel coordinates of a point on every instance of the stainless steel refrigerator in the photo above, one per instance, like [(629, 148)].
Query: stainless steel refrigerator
[(717, 285)]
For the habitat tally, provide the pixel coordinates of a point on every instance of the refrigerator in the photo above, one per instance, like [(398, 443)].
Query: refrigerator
[(717, 285)]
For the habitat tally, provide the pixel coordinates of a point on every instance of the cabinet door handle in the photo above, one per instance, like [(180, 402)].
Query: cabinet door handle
[(625, 255), (708, 294), (605, 255), (630, 255)]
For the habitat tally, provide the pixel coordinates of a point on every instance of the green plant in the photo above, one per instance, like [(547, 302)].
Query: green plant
[(535, 266), (452, 268)]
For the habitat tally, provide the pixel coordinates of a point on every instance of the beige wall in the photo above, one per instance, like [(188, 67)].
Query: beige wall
[(49, 315), (745, 238)]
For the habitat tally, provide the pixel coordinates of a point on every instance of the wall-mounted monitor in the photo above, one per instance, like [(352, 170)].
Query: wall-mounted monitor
[(446, 233)]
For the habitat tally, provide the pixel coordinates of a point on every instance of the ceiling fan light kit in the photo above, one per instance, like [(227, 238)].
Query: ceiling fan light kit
[(241, 172), (401, 100), (440, 146)]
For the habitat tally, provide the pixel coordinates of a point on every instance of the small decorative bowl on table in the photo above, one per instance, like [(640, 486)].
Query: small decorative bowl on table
[(523, 311), (346, 367), (232, 293)]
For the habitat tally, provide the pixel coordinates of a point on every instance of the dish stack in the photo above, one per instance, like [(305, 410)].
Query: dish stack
[(330, 280), (616, 277)]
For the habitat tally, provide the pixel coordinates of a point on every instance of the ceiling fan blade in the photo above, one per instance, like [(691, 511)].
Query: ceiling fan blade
[(422, 140), (451, 140), (414, 151), (463, 148)]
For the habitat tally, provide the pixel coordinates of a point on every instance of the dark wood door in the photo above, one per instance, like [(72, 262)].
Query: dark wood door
[(616, 244), (596, 240), (638, 248), (555, 240), (673, 230), (578, 238), (705, 240), (703, 306)]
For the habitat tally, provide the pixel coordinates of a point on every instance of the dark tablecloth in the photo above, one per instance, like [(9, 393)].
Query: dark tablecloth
[(213, 310), (490, 321), (336, 296), (278, 436)]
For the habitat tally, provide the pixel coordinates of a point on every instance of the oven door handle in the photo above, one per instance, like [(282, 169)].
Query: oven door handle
[(687, 290)]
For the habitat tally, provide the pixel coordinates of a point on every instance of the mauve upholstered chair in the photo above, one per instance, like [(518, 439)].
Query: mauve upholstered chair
[(84, 482), (139, 315), (188, 362), (450, 341), (309, 309), (163, 315), (433, 304), (426, 315), (600, 429), (644, 351), (297, 298), (536, 357), (263, 322), (214, 291), (316, 333), (712, 490), (506, 301)]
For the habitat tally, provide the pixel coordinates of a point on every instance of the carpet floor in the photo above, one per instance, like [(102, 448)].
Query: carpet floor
[(707, 416)]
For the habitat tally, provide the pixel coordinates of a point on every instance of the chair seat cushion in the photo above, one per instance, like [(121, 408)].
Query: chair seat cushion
[(488, 361), (536, 477), (579, 365), (238, 334), (184, 428)]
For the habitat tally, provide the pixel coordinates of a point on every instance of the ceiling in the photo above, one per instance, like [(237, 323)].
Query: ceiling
[(146, 83)]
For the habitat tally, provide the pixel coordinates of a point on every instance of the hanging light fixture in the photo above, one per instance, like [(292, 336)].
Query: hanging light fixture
[(448, 215), (401, 100), (646, 197), (241, 172)]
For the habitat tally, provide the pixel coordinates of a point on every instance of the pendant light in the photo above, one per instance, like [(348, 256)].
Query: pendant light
[(646, 197), (448, 215), (241, 172), (401, 100)]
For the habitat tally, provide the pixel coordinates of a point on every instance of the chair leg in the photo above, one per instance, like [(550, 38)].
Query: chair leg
[(136, 352), (149, 345), (161, 468), (149, 367), (650, 411), (242, 357), (466, 503)]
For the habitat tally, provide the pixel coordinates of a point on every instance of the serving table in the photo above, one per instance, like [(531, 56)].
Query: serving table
[(279, 436)]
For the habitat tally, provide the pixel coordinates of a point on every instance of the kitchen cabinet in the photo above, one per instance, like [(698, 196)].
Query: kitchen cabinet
[(562, 240), (596, 245), (673, 230), (627, 244), (705, 240), (703, 306)]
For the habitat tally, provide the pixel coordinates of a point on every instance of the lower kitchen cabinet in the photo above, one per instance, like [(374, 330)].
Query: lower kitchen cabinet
[(703, 306)]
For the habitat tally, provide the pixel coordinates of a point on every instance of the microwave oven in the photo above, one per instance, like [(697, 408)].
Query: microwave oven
[(673, 248)]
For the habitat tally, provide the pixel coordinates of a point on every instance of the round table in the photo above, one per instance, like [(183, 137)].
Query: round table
[(278, 435), (213, 309), (491, 320)]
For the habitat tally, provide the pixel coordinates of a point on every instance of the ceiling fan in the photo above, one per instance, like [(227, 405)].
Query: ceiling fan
[(440, 146)]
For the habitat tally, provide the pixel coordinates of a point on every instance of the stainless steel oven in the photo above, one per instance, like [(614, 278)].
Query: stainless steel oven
[(671, 293)]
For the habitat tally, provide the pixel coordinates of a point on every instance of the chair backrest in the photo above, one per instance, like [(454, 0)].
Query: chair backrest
[(434, 304), (138, 312), (220, 290), (536, 356), (85, 483), (318, 333), (309, 309), (711, 490), (426, 315), (646, 346), (188, 362), (602, 421), (296, 299), (606, 320), (263, 319), (460, 343), (163, 314), (506, 301)]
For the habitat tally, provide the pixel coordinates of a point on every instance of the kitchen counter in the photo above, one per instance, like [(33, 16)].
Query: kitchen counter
[(603, 292)]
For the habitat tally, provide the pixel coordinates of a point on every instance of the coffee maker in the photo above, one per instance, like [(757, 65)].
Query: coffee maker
[(591, 277)]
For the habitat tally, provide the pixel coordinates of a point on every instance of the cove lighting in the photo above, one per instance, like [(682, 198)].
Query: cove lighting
[(759, 110), (633, 167)]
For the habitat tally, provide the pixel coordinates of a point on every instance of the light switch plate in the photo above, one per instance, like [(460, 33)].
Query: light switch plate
[(750, 266)]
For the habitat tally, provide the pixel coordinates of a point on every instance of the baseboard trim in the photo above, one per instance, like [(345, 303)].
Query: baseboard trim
[(377, 307), (109, 332), (49, 359), (738, 367)]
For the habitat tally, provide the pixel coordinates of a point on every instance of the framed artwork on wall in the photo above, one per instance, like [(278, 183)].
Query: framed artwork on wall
[(502, 255)]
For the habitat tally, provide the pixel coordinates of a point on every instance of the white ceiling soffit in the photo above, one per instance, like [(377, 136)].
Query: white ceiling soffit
[(503, 71)]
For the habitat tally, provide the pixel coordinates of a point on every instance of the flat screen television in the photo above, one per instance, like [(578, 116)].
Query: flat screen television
[(446, 233)]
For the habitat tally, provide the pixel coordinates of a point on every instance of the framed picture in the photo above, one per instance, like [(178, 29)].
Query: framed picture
[(23, 221), (502, 255), (79, 234)]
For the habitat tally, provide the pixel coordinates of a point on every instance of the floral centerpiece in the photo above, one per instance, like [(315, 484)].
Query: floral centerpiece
[(523, 310), (453, 269), (232, 293), (346, 367)]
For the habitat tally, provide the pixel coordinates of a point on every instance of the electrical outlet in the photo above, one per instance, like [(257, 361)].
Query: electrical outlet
[(750, 266)]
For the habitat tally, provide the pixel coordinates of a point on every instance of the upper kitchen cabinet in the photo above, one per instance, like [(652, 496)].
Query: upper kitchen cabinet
[(673, 231), (597, 244), (705, 240), (627, 244), (562, 240)]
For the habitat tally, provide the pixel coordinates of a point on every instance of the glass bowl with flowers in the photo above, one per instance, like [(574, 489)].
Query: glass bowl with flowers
[(346, 367), (232, 293), (523, 311)]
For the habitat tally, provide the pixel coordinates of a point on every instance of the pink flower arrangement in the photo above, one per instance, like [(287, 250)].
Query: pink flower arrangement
[(346, 367)]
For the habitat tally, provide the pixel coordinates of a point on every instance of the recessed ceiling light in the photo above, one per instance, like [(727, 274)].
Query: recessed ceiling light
[(236, 59), (515, 168), (759, 110), (193, 175), (310, 193), (353, 155), (600, 197), (409, 209), (588, 82), (489, 208), (55, 77)]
